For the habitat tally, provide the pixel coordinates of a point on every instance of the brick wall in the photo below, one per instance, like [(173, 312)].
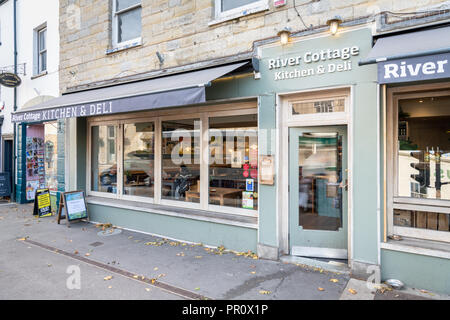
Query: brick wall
[(180, 30)]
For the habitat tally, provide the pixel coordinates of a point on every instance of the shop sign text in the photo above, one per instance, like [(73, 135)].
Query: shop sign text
[(414, 69), (330, 61), (64, 112)]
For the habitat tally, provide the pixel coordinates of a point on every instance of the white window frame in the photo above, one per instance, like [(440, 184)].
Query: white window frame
[(115, 26), (37, 52), (408, 203), (157, 117), (244, 10)]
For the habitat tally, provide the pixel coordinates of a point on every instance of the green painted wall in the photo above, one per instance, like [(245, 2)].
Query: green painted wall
[(231, 237), (416, 271)]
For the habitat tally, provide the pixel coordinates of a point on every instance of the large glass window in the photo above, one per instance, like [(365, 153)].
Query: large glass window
[(104, 159), (232, 4), (180, 163), (41, 158), (423, 160), (138, 159), (172, 160), (233, 164)]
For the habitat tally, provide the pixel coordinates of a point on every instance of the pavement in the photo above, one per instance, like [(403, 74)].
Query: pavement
[(43, 260)]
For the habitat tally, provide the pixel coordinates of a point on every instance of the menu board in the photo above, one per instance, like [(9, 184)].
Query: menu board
[(5, 184), (42, 206), (75, 205)]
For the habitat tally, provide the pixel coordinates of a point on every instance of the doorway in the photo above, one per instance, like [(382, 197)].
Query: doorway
[(318, 187)]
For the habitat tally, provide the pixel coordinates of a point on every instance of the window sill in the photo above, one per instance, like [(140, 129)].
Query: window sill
[(195, 214), (44, 73), (125, 46), (419, 246), (243, 13)]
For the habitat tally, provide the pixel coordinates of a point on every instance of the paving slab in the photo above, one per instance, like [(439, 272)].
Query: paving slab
[(213, 273)]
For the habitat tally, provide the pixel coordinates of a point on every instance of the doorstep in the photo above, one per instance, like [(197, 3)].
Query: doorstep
[(188, 213), (337, 267)]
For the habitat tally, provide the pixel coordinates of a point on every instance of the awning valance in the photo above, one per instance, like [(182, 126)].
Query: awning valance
[(169, 91)]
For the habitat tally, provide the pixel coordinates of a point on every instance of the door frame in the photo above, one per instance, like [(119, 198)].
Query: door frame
[(286, 120)]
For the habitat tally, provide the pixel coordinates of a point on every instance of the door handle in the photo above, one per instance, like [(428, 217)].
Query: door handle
[(344, 186)]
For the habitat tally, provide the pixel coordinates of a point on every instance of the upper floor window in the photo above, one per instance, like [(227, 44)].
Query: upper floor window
[(229, 9), (40, 50), (126, 20)]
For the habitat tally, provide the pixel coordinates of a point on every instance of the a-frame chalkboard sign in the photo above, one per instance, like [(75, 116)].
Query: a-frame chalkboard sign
[(74, 203)]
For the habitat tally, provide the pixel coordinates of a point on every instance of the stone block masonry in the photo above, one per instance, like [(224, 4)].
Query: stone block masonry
[(184, 32)]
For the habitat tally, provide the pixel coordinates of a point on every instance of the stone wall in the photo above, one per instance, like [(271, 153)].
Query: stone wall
[(181, 30)]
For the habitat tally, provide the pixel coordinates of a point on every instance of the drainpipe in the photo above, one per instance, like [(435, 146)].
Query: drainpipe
[(13, 184)]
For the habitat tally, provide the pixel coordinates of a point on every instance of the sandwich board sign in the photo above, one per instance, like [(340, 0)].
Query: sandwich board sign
[(74, 203), (42, 207)]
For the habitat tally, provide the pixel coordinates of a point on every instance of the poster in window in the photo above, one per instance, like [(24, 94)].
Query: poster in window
[(247, 200)]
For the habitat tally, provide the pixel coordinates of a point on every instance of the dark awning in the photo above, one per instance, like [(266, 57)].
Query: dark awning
[(169, 91), (410, 45)]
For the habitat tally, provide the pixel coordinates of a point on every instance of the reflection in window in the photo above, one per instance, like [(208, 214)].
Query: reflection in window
[(232, 4), (233, 164), (103, 153), (51, 155), (180, 174), (424, 148), (422, 220), (322, 106), (138, 159), (320, 175)]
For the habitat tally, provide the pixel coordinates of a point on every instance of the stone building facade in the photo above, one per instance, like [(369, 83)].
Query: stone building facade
[(187, 32), (319, 179)]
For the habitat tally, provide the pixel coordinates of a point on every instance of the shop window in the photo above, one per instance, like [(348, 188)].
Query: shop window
[(126, 19), (233, 164), (164, 159), (235, 8), (180, 163), (138, 159), (41, 158), (422, 166), (104, 165)]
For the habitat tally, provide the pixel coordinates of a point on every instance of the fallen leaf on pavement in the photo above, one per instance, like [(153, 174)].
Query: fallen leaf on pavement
[(155, 268), (352, 291), (153, 280), (197, 288), (198, 257), (87, 254), (76, 252), (334, 280), (264, 292), (320, 289), (107, 278), (147, 289)]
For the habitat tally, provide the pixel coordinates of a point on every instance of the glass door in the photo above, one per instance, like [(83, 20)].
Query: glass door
[(318, 191)]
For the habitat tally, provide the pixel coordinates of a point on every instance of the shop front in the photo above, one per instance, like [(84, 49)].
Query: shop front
[(155, 156), (326, 148), (414, 77)]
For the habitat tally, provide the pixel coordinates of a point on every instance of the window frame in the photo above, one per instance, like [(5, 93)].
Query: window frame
[(244, 10), (157, 117), (394, 201), (37, 52), (115, 25)]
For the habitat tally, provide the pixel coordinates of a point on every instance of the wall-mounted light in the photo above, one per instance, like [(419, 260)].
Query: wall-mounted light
[(284, 35), (334, 24)]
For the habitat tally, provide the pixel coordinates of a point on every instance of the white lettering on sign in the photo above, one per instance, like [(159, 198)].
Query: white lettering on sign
[(394, 70), (64, 112), (311, 57)]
